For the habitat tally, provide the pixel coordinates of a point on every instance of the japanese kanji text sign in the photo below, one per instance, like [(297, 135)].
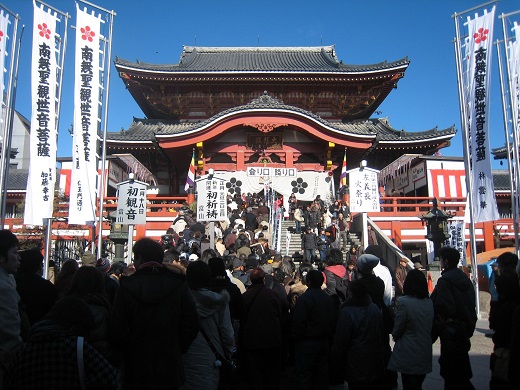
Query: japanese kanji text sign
[(364, 194), (131, 203), (211, 199)]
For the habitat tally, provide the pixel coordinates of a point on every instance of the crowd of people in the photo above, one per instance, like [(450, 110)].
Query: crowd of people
[(182, 314)]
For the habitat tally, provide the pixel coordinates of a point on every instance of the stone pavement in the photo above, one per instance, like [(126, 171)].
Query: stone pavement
[(481, 347)]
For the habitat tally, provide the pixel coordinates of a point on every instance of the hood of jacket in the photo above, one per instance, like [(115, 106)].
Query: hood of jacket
[(458, 279), (338, 270), (209, 302)]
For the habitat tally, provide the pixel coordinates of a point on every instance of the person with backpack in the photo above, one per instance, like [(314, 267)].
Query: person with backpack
[(335, 275)]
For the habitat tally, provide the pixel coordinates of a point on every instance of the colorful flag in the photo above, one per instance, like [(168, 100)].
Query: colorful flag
[(477, 78), (343, 177), (44, 128), (190, 179), (82, 205)]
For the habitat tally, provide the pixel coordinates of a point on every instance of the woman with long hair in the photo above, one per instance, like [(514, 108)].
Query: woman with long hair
[(64, 277), (88, 284)]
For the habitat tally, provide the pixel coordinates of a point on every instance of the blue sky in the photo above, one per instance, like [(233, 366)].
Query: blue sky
[(364, 32)]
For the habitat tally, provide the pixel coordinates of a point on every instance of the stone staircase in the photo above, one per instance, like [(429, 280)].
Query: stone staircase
[(295, 243)]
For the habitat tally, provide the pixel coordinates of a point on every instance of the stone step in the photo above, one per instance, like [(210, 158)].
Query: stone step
[(295, 244)]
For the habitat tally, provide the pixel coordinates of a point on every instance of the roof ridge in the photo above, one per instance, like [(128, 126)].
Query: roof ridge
[(211, 49)]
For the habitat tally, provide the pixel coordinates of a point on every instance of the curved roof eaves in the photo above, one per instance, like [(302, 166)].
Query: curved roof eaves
[(260, 61), (144, 130)]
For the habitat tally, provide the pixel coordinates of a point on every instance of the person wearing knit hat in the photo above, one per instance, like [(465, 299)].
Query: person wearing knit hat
[(103, 265), (237, 263), (374, 284), (382, 270), (88, 259), (366, 263), (376, 288)]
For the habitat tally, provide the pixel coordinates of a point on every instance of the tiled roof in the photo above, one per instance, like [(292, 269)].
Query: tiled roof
[(261, 59), (501, 180), (145, 130), (17, 179), (499, 153)]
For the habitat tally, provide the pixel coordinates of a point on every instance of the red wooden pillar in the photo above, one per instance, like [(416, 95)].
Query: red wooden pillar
[(240, 161), (489, 241), (289, 159)]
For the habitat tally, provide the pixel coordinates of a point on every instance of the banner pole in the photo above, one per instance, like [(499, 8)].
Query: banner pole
[(515, 129), (9, 118), (456, 14), (104, 141), (511, 162), (467, 162)]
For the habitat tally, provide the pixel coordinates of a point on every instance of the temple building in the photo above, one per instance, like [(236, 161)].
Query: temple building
[(257, 115)]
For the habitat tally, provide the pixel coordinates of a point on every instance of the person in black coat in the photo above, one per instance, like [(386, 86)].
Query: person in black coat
[(260, 338), (37, 294), (250, 219), (357, 351), (313, 322), (220, 281), (309, 244), (455, 319), (153, 321)]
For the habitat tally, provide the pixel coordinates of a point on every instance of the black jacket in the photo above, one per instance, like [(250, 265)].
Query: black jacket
[(262, 324), (37, 294), (153, 322), (454, 300), (309, 241), (314, 316), (358, 346)]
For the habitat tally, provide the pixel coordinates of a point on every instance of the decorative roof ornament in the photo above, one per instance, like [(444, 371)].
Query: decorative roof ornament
[(265, 100)]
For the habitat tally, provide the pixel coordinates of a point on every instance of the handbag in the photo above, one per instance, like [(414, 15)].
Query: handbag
[(227, 367)]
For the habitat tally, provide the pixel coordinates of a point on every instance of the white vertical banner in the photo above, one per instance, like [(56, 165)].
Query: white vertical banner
[(478, 53), (82, 205), (4, 24), (513, 56), (43, 138), (457, 240), (4, 112)]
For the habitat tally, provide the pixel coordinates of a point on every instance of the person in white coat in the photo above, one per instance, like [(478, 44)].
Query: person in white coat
[(382, 272), (412, 354)]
